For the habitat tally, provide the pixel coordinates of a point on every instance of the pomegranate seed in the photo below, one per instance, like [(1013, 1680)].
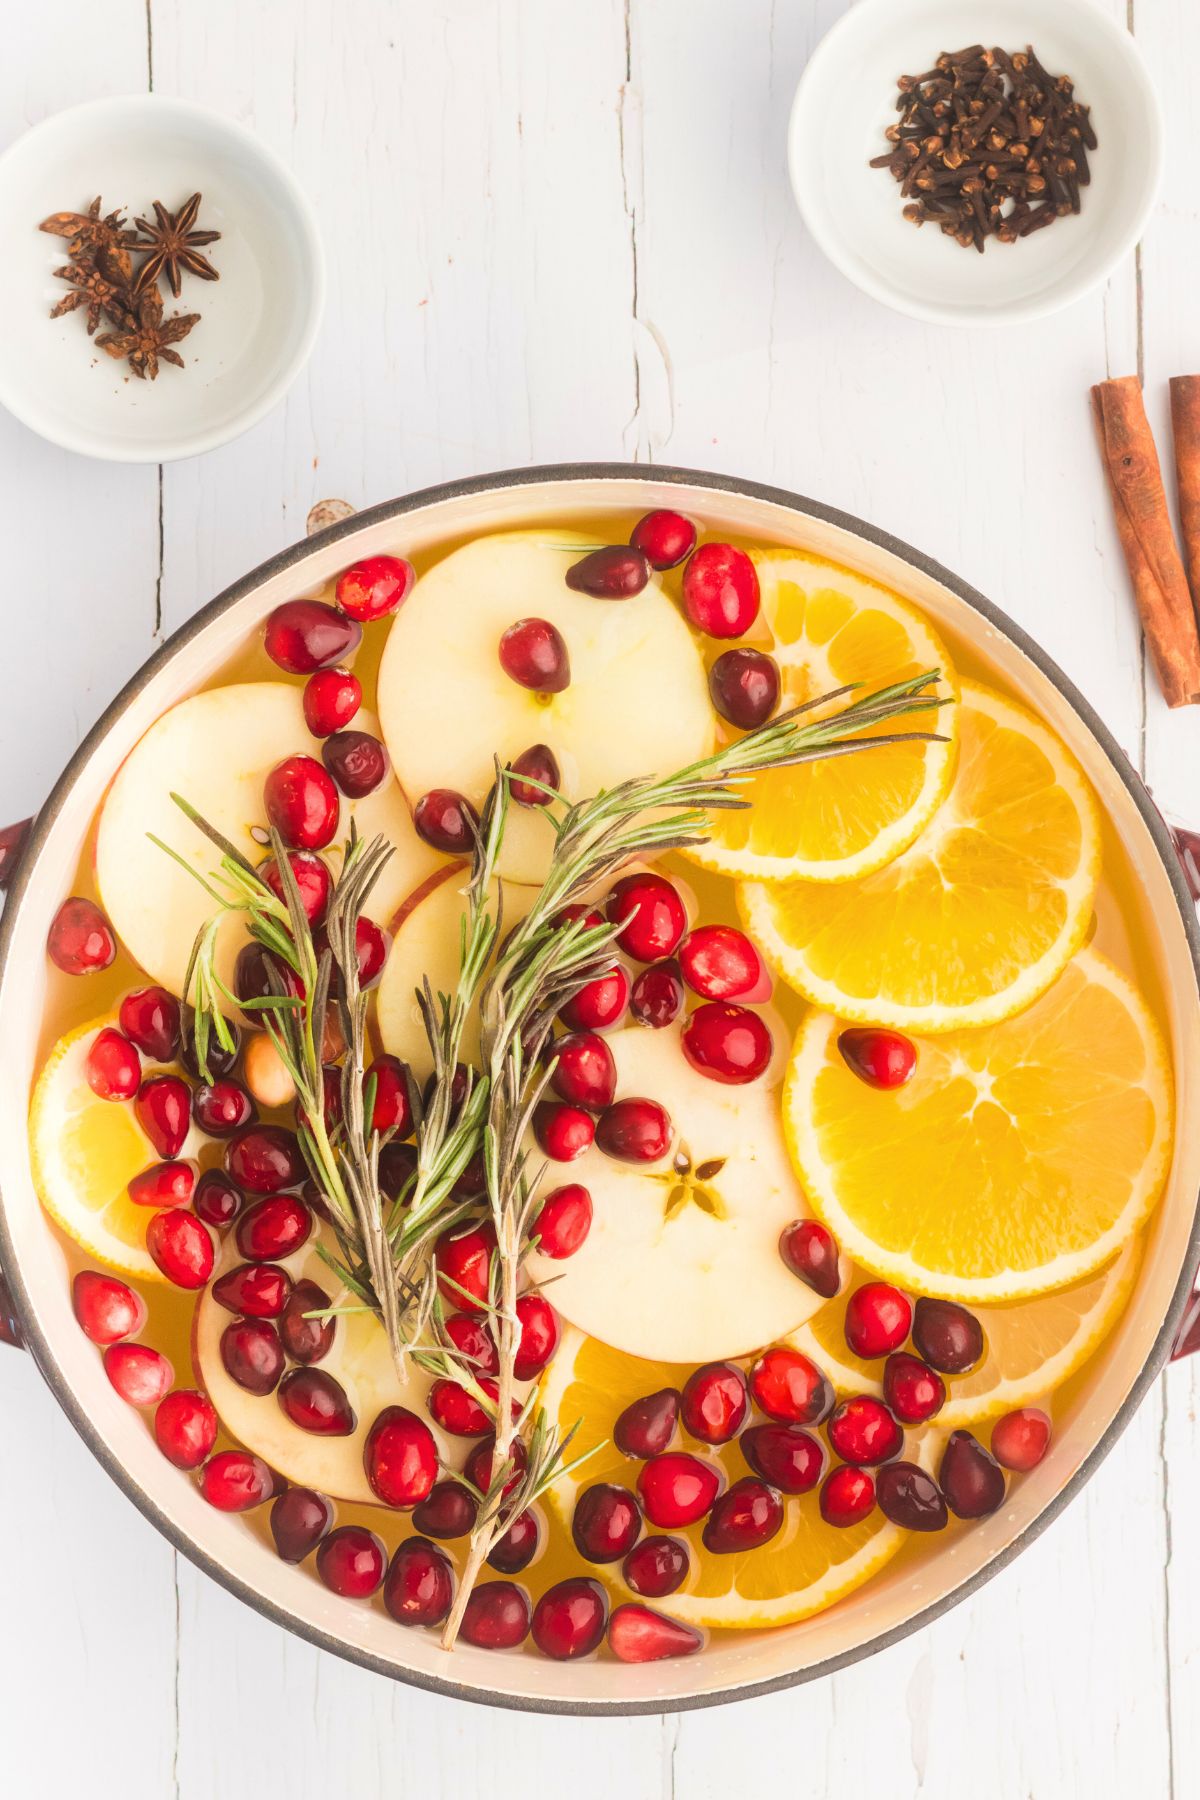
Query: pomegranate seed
[(447, 1511), (519, 1545), (789, 1386), (537, 764), (220, 1060), (638, 1634), (302, 803), (652, 913), (647, 1425), (185, 1427), (163, 1184), (729, 1044), (216, 1200), (606, 1522), (656, 997), (352, 1561), (878, 1318), (656, 1566), (564, 1221), (478, 1466), (447, 821), (306, 1340), (569, 1619), (331, 699), (847, 1496), (391, 1109), (314, 884), (746, 1517), (534, 654), (300, 1518), (264, 1159), (862, 1431), (787, 1456), (314, 1401), (883, 1059), (947, 1336), (540, 1333), (457, 1411), (357, 761), (464, 1261), (473, 1339), (599, 1004), (140, 1375), (664, 538), (496, 1617), (1020, 1439), (563, 1132), (419, 1588), (181, 1248), (222, 1107), (617, 572), (112, 1066), (235, 1480), (373, 588), (677, 1489), (720, 591), (743, 685), (400, 1457), (970, 1477), (107, 1309), (635, 1130), (164, 1112), (584, 1073), (810, 1251), (273, 1228), (254, 1290), (150, 1017), (913, 1390), (718, 962), (302, 636), (80, 940), (909, 1497), (715, 1402), (252, 1355)]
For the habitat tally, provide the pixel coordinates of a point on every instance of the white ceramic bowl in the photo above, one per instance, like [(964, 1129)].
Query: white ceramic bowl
[(258, 323), (847, 96)]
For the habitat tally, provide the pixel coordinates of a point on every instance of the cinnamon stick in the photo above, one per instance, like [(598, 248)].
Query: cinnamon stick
[(1160, 587), (1185, 427)]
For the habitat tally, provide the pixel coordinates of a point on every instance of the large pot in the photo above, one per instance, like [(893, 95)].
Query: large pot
[(898, 1600)]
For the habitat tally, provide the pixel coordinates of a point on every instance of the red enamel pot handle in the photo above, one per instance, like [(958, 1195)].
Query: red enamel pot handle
[(1187, 848)]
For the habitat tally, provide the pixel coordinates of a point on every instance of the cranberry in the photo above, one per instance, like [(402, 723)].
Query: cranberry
[(331, 699), (300, 1518), (252, 1355), (185, 1427), (539, 1337), (302, 636), (473, 1340), (617, 572), (715, 1402), (656, 1566), (164, 1112), (652, 915), (264, 1159), (743, 685), (80, 940), (883, 1059), (569, 1619), (638, 1634), (163, 1184), (457, 1411), (647, 1425), (464, 1262), (584, 1073), (314, 1401), (220, 1060), (606, 1522), (216, 1200), (787, 1456), (534, 655), (181, 1248), (862, 1431), (913, 1390), (391, 1108), (677, 1489), (254, 1290), (496, 1617), (563, 1132), (1020, 1439), (314, 884), (397, 1166), (746, 1517), (537, 765), (847, 1496), (447, 821), (357, 761), (789, 1386), (150, 1016), (947, 1336), (13, 839), (400, 1457), (909, 1497), (302, 803), (112, 1066), (222, 1107), (720, 591), (107, 1309), (564, 1221), (372, 945), (810, 1251), (373, 588), (878, 1318), (259, 975), (351, 1561), (478, 1466), (719, 962), (235, 1480), (447, 1511), (970, 1477), (306, 1340), (518, 1547), (419, 1588), (635, 1130), (664, 538), (586, 917), (139, 1374), (599, 1004), (273, 1228), (656, 997), (729, 1044)]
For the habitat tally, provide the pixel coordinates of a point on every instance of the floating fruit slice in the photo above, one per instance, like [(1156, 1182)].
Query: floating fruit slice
[(1018, 1159), (805, 1568), (840, 817), (1030, 1347), (977, 918), (637, 701)]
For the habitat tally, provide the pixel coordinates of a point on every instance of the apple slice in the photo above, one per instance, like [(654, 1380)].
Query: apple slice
[(215, 749), (682, 1260), (637, 703)]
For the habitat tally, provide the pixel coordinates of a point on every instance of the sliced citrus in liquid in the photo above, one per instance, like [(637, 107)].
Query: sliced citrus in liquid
[(976, 918), (1018, 1159), (837, 818)]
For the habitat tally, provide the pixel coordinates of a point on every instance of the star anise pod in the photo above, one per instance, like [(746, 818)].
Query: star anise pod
[(147, 336), (170, 245), (102, 286), (91, 231)]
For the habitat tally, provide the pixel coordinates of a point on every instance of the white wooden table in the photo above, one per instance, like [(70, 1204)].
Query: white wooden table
[(563, 231)]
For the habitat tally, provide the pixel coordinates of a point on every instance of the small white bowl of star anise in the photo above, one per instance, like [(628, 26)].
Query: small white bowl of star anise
[(165, 279)]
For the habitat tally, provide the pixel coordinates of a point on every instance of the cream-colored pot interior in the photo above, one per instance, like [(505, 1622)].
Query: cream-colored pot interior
[(34, 1264)]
